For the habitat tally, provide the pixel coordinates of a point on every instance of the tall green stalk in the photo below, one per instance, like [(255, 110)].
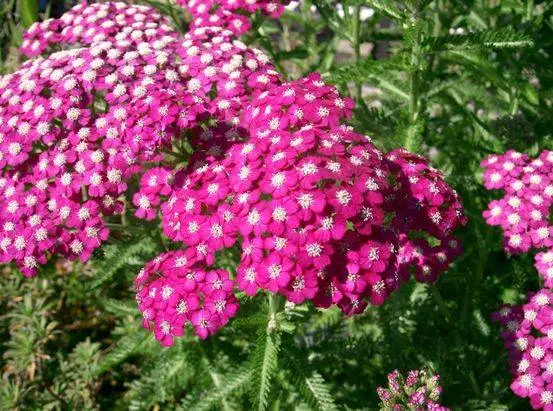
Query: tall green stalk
[(356, 35), (412, 135)]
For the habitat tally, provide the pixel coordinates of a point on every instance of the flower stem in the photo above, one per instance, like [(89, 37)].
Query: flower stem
[(411, 138), (356, 28), (276, 304)]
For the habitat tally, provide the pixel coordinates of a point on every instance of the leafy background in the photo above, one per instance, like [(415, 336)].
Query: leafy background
[(454, 80)]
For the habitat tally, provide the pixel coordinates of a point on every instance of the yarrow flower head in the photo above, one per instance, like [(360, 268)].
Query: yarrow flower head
[(321, 213), (76, 125), (419, 390), (523, 211), (528, 337)]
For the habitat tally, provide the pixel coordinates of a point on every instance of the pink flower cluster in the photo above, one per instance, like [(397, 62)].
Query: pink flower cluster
[(528, 336), (523, 212), (419, 391), (75, 126), (230, 14), (95, 23), (322, 215), (175, 291)]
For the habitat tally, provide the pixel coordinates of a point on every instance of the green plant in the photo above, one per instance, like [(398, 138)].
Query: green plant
[(453, 80)]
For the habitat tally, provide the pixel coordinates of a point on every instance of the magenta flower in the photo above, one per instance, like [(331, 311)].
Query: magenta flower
[(173, 291)]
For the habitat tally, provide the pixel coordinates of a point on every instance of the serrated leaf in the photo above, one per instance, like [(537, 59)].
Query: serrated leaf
[(379, 72), (313, 388), (120, 307), (119, 257), (229, 384), (125, 347), (264, 367), (387, 7), (497, 38)]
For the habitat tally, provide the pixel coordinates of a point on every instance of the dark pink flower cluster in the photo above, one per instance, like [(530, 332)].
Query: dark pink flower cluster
[(528, 336), (230, 14), (523, 212), (419, 391), (76, 125), (321, 213), (427, 210), (174, 291)]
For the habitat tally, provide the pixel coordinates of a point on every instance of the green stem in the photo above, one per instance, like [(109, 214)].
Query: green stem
[(175, 19), (514, 102), (276, 304), (356, 28), (411, 138), (529, 10), (217, 384), (213, 375)]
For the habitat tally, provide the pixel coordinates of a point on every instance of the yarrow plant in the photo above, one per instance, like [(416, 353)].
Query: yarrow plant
[(523, 214), (419, 390), (276, 202), (321, 214)]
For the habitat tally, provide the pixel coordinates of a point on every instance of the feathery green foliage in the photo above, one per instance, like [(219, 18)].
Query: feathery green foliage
[(501, 38), (264, 367)]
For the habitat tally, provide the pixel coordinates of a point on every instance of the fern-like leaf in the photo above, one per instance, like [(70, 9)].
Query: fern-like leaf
[(387, 7), (230, 384), (163, 377), (120, 308), (264, 367), (127, 346), (379, 72), (116, 258), (313, 388), (500, 38)]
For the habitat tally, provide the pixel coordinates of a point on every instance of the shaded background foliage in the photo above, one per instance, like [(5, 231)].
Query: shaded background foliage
[(454, 80)]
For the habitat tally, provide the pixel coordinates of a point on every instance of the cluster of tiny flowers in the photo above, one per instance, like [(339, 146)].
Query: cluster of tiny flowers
[(230, 14), (76, 125), (95, 23), (523, 212), (174, 291), (528, 337), (322, 215), (419, 391)]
